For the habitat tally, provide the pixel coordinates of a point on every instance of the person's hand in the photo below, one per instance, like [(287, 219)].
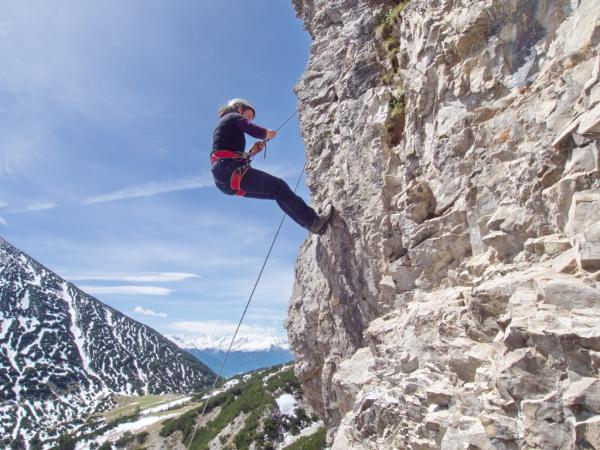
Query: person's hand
[(271, 134), (257, 147)]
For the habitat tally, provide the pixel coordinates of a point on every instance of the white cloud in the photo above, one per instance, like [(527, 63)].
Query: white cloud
[(219, 328), (2, 221), (148, 312), (164, 277), (19, 149), (34, 207), (150, 189), (127, 290)]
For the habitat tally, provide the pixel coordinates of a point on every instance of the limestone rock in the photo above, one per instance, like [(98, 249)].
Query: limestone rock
[(454, 302), (350, 377), (567, 293), (420, 203), (584, 394), (565, 262), (587, 433), (545, 424), (590, 122), (548, 245), (583, 228), (439, 394)]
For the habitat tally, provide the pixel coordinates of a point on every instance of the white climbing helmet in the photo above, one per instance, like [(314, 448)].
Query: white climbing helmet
[(243, 102)]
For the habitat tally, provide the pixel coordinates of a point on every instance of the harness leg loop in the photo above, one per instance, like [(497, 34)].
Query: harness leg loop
[(236, 179)]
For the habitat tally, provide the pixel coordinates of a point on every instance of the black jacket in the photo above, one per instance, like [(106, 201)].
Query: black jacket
[(229, 133)]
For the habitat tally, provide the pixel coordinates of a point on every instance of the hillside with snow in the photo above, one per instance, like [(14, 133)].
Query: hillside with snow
[(264, 409), (62, 352)]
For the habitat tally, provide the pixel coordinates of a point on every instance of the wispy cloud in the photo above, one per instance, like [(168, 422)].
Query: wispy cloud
[(219, 328), (19, 150), (150, 189), (148, 312), (2, 221), (33, 207), (126, 290), (164, 277)]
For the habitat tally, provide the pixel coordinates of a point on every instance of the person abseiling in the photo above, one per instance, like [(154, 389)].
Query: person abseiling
[(233, 174)]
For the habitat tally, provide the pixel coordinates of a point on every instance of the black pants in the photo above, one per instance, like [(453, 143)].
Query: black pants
[(261, 185)]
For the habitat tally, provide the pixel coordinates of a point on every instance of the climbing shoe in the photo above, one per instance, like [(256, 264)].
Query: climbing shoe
[(319, 225)]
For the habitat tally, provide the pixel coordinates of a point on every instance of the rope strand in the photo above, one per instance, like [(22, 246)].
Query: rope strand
[(287, 120), (280, 127)]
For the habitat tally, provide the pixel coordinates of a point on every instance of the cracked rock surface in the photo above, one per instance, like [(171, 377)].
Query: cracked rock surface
[(454, 302)]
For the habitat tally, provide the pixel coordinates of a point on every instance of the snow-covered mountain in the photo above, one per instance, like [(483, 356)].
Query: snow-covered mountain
[(62, 351), (249, 351), (243, 343)]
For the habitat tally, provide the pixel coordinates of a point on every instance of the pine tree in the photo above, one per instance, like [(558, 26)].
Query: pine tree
[(18, 443), (65, 442), (35, 443)]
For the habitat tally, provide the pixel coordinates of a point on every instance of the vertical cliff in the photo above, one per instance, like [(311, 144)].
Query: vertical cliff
[(455, 300)]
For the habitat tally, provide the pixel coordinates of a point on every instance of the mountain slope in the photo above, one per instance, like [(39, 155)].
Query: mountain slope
[(264, 409), (62, 350)]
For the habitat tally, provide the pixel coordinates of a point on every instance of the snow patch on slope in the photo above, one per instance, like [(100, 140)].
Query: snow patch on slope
[(286, 404)]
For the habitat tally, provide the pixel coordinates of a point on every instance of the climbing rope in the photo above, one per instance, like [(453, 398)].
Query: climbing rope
[(249, 298), (280, 127)]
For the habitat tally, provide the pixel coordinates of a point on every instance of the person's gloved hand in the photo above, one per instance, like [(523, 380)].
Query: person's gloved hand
[(257, 147)]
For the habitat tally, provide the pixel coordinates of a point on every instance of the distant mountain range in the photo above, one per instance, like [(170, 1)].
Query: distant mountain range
[(249, 352), (62, 351)]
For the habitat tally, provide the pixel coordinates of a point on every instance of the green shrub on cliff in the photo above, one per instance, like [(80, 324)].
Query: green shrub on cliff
[(315, 441)]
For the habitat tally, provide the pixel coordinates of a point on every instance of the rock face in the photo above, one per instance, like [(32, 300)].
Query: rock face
[(454, 302)]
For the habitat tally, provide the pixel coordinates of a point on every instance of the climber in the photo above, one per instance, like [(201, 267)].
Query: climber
[(233, 174)]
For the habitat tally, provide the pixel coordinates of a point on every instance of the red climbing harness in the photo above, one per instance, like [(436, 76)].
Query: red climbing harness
[(226, 154), (237, 175)]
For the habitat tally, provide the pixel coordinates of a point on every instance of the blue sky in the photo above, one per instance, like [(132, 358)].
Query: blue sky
[(106, 117)]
